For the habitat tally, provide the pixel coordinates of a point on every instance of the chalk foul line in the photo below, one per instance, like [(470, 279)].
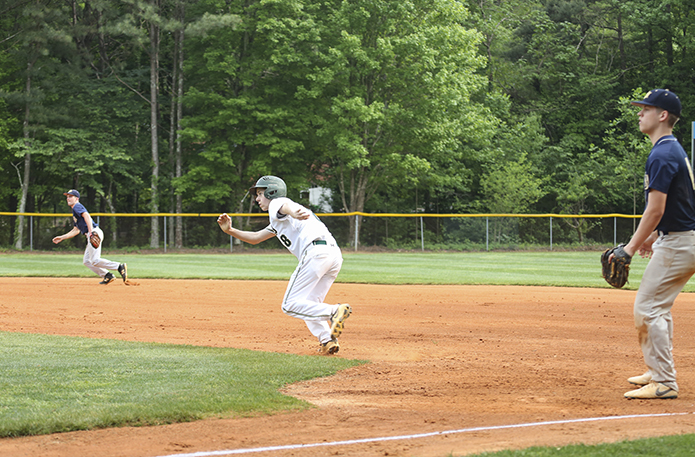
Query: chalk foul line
[(415, 436)]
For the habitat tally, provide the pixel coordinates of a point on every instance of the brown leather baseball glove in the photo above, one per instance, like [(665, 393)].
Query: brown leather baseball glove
[(94, 240), (617, 270)]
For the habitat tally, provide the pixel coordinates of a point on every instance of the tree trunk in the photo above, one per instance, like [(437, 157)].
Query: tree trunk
[(113, 223), (354, 198), (172, 124), (154, 96), (179, 115), (580, 232), (23, 201), (24, 180), (668, 42), (621, 45)]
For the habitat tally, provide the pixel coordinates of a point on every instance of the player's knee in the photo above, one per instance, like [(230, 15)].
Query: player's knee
[(289, 308)]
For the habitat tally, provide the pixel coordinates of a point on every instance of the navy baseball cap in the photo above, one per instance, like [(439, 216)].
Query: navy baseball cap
[(72, 192), (662, 98)]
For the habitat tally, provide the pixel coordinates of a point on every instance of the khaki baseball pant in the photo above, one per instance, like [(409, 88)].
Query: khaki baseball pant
[(671, 266)]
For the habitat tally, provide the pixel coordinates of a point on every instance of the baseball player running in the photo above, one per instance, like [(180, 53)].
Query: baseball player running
[(92, 256), (666, 234), (320, 259)]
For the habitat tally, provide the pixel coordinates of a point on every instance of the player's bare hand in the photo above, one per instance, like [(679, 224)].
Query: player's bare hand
[(646, 253), (646, 250), (57, 239), (225, 222)]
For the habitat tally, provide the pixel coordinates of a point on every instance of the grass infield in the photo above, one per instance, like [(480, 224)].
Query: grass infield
[(54, 384)]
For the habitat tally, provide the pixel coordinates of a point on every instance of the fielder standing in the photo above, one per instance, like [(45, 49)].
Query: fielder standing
[(320, 259), (92, 256), (666, 235)]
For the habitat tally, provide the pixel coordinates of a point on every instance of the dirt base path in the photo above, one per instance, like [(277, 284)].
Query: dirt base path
[(452, 366)]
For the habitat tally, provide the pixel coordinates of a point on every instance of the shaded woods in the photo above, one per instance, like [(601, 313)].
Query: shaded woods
[(432, 106)]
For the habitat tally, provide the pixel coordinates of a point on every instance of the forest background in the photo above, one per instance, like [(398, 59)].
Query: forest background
[(396, 106)]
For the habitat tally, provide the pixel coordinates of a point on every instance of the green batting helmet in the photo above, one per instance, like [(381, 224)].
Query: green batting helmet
[(274, 187)]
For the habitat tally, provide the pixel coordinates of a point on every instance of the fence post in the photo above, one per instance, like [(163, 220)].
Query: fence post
[(165, 234), (487, 233), (31, 233), (551, 233), (357, 230), (615, 231), (422, 233)]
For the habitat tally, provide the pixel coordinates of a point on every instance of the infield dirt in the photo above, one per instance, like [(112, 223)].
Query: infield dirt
[(443, 358)]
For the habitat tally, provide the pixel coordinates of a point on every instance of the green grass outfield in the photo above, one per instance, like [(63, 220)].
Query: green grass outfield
[(668, 446), (55, 384), (570, 269)]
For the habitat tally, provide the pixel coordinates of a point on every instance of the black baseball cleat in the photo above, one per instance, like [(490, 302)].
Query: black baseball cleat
[(123, 270), (108, 278)]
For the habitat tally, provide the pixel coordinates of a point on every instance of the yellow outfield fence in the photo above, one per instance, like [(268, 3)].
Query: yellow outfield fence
[(354, 213), (353, 230)]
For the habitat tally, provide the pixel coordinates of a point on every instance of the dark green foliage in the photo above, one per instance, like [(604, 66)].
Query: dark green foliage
[(395, 106)]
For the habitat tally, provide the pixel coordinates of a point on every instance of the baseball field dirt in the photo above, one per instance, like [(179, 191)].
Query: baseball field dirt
[(452, 369)]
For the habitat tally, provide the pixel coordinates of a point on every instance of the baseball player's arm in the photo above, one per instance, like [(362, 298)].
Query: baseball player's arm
[(225, 223), (88, 219), (72, 233), (295, 210), (645, 234)]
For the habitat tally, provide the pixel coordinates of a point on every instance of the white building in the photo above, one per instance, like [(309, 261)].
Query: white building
[(320, 197)]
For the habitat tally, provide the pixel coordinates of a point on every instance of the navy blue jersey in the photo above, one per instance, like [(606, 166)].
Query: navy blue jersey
[(80, 223), (668, 170)]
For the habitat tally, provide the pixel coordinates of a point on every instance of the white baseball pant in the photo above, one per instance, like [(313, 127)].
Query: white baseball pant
[(92, 257), (308, 287)]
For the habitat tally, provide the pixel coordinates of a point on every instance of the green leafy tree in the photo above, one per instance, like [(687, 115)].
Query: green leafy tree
[(142, 22), (82, 123), (610, 177), (512, 188), (176, 116), (35, 48), (10, 129), (624, 156), (573, 197), (243, 119), (397, 78)]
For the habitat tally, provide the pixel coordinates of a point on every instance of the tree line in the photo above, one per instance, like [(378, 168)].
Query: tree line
[(441, 106)]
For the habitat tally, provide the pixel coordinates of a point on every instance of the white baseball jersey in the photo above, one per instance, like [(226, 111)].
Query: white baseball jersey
[(319, 265), (296, 235)]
